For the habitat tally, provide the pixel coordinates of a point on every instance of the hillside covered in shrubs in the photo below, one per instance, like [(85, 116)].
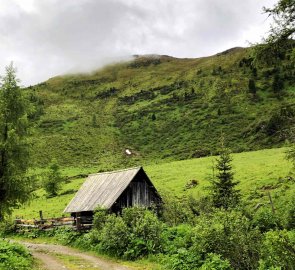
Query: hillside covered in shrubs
[(160, 107)]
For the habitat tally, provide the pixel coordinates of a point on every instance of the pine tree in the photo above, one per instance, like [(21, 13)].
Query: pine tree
[(15, 186), (277, 84), (223, 185), (252, 87)]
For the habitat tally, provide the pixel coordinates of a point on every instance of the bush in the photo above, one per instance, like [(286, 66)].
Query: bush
[(183, 259), (114, 236), (145, 232), (229, 234), (278, 250), (177, 211), (65, 236), (137, 233), (99, 218), (266, 220), (83, 241), (175, 238), (290, 217), (214, 262), (7, 226), (14, 257)]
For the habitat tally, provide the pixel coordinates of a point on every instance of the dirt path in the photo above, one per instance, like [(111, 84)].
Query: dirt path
[(49, 254), (48, 261)]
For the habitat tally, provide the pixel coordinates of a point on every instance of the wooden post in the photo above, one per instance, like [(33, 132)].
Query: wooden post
[(78, 221), (41, 217)]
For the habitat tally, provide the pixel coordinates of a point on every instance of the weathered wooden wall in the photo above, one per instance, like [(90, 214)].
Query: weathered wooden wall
[(138, 193)]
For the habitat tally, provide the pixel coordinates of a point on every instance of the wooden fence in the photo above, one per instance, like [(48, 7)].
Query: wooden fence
[(79, 223), (44, 223)]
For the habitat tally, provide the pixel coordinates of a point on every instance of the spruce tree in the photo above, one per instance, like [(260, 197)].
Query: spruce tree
[(277, 84), (15, 186), (223, 185), (252, 87)]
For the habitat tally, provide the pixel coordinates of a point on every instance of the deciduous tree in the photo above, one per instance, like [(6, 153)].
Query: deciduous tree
[(15, 185), (53, 179)]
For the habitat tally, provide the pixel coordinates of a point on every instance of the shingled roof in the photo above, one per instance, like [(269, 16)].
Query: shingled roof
[(101, 189)]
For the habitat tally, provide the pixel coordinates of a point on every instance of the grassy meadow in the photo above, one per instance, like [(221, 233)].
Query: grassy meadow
[(259, 172)]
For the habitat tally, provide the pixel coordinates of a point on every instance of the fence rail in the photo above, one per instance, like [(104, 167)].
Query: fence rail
[(45, 223)]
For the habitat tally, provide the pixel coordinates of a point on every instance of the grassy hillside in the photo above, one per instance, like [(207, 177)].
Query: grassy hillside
[(259, 172), (161, 107)]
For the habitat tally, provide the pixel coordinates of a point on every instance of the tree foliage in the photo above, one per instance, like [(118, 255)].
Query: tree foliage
[(15, 186), (283, 14), (53, 179), (280, 38)]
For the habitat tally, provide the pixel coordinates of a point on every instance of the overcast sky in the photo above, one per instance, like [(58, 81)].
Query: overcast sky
[(45, 38)]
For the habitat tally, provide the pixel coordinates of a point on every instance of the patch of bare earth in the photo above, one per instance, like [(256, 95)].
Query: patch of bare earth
[(46, 253)]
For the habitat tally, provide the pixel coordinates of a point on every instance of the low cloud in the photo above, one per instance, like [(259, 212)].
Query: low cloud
[(48, 38)]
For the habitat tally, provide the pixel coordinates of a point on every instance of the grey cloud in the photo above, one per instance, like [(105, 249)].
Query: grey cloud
[(56, 37)]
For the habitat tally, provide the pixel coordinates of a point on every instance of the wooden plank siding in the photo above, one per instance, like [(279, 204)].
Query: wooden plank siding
[(140, 192)]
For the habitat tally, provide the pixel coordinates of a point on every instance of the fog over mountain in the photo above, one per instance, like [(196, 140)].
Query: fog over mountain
[(47, 38)]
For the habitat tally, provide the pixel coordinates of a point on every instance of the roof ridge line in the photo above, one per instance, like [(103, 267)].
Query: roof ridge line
[(116, 171)]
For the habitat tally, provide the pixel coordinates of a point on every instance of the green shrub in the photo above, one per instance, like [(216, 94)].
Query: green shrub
[(99, 218), (145, 232), (14, 257), (177, 242), (266, 220), (6, 227), (290, 217), (114, 236), (84, 241), (278, 250), (132, 214), (183, 259), (176, 211), (175, 238), (66, 236), (229, 234), (137, 233), (214, 262)]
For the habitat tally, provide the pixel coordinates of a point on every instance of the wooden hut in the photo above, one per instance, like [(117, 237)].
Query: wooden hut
[(114, 191)]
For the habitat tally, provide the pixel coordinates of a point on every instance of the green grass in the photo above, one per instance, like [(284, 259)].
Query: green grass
[(253, 169), (258, 172), (74, 263)]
